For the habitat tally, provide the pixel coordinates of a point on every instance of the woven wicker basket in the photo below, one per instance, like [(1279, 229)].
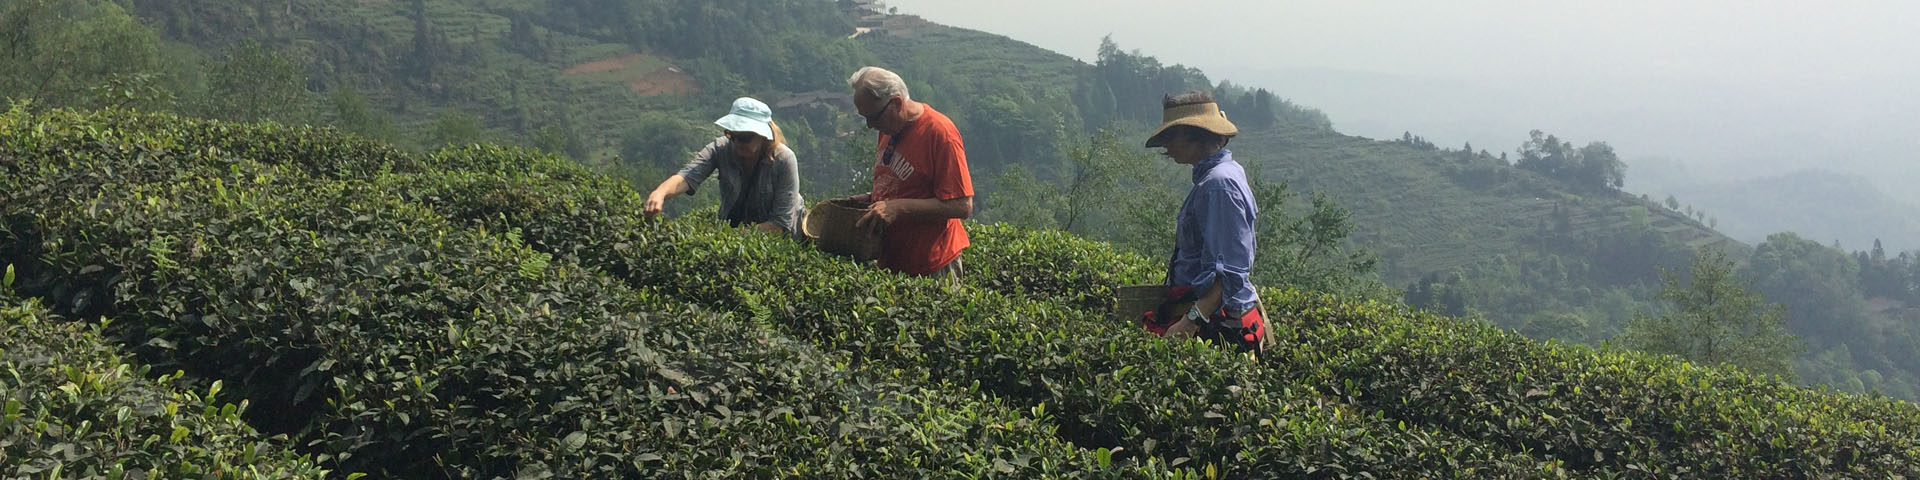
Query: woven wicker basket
[(830, 225), (1132, 300)]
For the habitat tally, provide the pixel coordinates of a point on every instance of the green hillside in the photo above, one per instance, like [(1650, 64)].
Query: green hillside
[(1417, 204)]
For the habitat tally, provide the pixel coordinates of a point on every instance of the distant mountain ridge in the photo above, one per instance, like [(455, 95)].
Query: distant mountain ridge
[(1818, 204), (1742, 131)]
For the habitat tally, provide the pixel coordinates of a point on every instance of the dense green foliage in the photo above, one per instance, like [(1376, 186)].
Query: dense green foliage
[(1716, 319), (386, 340), (1859, 329), (74, 407), (1050, 264), (1594, 166), (78, 53)]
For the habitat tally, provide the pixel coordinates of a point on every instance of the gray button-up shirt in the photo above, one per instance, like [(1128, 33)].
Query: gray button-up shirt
[(775, 193)]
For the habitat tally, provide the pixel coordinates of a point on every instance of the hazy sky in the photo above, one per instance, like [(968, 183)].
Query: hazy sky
[(1727, 88)]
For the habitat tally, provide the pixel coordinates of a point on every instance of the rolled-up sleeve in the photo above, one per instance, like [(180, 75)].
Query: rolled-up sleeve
[(1229, 238), (700, 167)]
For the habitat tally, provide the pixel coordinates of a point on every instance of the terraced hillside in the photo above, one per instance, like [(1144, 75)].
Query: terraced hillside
[(1409, 203)]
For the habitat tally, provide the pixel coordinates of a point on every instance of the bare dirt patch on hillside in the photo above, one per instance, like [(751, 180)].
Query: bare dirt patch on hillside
[(647, 75)]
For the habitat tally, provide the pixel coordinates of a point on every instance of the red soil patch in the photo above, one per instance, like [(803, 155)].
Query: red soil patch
[(666, 81)]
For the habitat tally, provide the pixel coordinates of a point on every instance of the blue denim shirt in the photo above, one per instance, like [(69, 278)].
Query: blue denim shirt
[(1213, 239), (776, 195)]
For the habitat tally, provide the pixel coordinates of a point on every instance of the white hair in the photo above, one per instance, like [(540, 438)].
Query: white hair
[(879, 84)]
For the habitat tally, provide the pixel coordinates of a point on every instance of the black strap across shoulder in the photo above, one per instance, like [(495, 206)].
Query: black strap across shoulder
[(738, 215)]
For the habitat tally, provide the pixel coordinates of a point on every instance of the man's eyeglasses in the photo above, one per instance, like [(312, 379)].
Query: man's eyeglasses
[(874, 117)]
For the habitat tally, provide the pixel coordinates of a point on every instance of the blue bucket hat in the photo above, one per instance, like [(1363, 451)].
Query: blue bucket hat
[(748, 115)]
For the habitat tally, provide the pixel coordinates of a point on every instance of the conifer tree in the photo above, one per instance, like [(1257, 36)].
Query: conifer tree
[(1715, 319)]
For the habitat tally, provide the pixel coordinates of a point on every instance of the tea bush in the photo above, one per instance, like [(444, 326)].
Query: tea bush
[(1598, 410), (391, 342), (71, 406), (1593, 408), (1052, 265)]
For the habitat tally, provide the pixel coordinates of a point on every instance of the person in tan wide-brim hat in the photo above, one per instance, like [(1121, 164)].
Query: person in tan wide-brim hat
[(1208, 294), (1192, 109)]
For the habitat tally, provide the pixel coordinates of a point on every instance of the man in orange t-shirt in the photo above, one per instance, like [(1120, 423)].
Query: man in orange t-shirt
[(921, 186)]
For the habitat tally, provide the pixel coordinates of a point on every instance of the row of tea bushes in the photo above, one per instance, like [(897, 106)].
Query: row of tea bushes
[(467, 355), (391, 342), (71, 406), (1052, 265), (1109, 386), (1596, 409)]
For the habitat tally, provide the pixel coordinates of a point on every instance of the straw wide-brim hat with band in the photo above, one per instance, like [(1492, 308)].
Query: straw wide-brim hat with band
[(748, 115), (1202, 113)]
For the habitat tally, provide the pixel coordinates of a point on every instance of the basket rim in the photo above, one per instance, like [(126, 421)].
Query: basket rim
[(822, 208), (810, 229)]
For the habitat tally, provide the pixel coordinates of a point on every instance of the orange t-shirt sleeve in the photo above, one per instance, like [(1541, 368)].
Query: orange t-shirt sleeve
[(879, 148), (954, 181)]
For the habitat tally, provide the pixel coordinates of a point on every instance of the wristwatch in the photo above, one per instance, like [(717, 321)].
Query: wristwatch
[(1195, 315)]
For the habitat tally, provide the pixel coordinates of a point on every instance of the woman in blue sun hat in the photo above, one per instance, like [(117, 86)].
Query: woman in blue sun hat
[(759, 176)]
